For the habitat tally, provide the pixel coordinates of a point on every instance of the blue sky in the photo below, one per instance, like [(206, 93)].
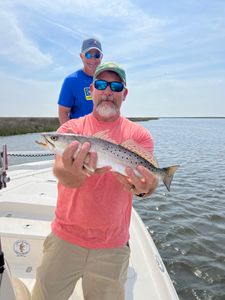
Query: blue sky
[(173, 53)]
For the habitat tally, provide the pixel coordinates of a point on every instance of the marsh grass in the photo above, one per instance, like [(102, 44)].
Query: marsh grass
[(22, 125), (14, 126)]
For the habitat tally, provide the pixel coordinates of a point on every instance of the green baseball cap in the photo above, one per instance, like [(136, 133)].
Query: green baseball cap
[(110, 66)]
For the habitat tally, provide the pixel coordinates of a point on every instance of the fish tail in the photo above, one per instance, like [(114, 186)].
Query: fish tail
[(167, 179)]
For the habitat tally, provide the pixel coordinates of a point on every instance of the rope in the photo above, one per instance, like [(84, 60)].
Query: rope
[(29, 154)]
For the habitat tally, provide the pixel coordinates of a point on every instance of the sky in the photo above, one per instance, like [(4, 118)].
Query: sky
[(173, 53)]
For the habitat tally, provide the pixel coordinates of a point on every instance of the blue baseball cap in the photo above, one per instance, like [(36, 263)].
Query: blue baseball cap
[(89, 44)]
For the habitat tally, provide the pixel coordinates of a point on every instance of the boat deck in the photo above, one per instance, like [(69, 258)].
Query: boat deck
[(26, 210)]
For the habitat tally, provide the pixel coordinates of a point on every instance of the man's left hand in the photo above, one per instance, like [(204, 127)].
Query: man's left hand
[(145, 183)]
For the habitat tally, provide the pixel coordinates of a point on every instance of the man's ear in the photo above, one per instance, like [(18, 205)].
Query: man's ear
[(91, 88), (125, 94)]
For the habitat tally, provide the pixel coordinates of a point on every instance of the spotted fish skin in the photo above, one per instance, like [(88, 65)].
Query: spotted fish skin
[(109, 154)]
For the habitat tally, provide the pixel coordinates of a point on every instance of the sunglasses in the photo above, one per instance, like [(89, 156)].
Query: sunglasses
[(115, 86), (96, 55)]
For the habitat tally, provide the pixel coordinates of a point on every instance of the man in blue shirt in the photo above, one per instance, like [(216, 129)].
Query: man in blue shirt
[(75, 100)]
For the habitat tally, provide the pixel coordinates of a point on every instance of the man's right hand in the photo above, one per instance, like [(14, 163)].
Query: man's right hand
[(77, 158), (75, 164)]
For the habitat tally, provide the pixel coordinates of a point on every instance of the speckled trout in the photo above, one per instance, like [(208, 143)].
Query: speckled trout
[(111, 154)]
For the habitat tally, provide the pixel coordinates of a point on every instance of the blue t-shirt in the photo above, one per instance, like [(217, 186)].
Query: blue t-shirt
[(75, 93)]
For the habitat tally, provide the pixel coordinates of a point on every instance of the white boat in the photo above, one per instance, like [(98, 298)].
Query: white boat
[(27, 206)]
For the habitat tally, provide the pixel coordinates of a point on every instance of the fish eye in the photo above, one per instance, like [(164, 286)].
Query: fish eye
[(54, 138)]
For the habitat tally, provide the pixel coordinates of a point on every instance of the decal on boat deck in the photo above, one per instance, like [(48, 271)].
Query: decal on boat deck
[(21, 247)]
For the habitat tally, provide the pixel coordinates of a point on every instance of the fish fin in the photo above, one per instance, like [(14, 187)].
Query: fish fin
[(134, 147), (70, 131), (103, 135), (156, 163), (87, 167), (169, 175), (90, 170)]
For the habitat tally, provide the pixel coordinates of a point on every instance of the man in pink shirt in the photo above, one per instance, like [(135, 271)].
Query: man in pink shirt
[(90, 231)]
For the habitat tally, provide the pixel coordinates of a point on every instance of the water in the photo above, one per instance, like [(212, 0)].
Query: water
[(25, 143), (188, 223)]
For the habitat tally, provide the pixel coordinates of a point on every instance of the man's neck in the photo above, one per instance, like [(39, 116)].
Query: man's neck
[(88, 72)]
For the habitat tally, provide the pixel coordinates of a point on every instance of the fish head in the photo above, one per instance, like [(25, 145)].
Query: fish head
[(55, 142)]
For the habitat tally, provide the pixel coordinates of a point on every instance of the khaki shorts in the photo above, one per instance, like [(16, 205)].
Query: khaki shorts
[(103, 271)]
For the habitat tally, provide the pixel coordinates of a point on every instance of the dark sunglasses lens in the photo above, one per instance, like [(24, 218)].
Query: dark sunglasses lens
[(116, 86), (100, 85), (88, 55), (97, 55)]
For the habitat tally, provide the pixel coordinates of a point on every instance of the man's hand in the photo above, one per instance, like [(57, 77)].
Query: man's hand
[(76, 163), (78, 160), (144, 184)]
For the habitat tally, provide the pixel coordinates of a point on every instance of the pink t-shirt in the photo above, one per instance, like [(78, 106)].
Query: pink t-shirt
[(97, 214)]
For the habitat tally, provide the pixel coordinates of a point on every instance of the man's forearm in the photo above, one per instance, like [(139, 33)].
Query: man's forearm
[(63, 113), (63, 118)]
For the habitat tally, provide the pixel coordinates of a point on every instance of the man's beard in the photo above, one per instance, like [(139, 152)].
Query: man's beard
[(104, 110)]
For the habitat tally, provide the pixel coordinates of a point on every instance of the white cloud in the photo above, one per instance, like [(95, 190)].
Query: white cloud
[(114, 23), (170, 53), (18, 48)]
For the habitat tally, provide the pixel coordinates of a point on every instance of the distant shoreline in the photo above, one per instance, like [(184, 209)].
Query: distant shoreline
[(22, 125), (191, 118)]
